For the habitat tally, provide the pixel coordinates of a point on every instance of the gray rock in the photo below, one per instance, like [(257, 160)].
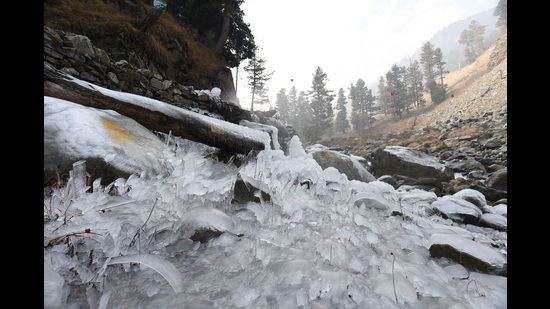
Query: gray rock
[(346, 164), (470, 254), (409, 162), (499, 179)]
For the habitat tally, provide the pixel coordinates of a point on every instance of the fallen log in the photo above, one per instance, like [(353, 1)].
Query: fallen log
[(156, 115)]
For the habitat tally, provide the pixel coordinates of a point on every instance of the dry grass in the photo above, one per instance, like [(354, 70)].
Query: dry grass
[(88, 16)]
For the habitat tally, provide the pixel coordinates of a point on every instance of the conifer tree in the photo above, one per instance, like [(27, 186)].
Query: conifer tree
[(472, 38), (427, 61), (263, 97), (322, 111), (502, 12), (415, 86), (383, 96), (292, 106), (362, 107), (304, 117), (440, 93), (341, 122), (219, 25), (439, 64), (353, 97), (433, 67), (257, 77), (398, 90), (282, 105)]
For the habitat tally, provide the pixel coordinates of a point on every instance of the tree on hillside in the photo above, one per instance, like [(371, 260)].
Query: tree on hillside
[(262, 97), (439, 65), (472, 38), (219, 25), (322, 111), (228, 9), (362, 107), (303, 117), (353, 97), (415, 86), (502, 12), (383, 96), (240, 43), (398, 90), (341, 122), (427, 61), (440, 92), (292, 106), (432, 67), (282, 104), (257, 77)]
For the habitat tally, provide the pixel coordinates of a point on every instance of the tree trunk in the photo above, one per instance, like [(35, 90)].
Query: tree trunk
[(179, 122), (224, 32)]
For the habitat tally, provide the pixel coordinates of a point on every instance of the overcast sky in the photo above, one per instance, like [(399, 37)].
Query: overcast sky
[(348, 39)]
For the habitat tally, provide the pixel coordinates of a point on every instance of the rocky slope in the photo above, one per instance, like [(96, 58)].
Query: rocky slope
[(468, 131), (477, 105)]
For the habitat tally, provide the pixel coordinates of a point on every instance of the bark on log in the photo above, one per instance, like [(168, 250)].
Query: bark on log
[(185, 125)]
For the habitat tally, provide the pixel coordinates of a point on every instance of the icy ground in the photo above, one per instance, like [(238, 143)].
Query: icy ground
[(331, 244)]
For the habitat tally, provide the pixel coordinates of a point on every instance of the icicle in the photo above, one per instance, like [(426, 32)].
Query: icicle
[(162, 266)]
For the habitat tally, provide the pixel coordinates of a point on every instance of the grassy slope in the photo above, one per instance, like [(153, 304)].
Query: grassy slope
[(113, 26)]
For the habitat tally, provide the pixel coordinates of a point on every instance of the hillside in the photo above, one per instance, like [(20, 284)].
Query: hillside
[(167, 48), (448, 37), (473, 90)]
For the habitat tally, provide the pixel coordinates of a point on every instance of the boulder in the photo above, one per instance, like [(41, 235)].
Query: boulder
[(409, 162), (345, 164)]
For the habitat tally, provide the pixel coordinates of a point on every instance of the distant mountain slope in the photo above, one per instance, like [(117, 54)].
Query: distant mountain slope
[(473, 90), (447, 39)]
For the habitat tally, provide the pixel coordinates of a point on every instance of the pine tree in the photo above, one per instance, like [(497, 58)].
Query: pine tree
[(362, 107), (439, 65), (383, 96), (472, 38), (263, 97), (341, 122), (415, 86), (282, 105), (433, 67), (292, 106), (502, 12), (440, 93), (304, 117), (219, 25), (427, 61), (257, 77), (352, 96), (321, 106), (398, 90), (370, 108)]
